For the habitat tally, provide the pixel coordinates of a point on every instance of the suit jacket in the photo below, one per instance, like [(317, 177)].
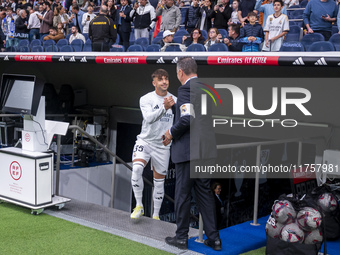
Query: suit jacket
[(125, 25), (192, 132)]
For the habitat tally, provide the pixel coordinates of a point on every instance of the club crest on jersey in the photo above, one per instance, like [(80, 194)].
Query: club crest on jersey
[(183, 109)]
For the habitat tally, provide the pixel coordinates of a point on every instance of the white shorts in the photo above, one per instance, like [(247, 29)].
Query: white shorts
[(159, 157)]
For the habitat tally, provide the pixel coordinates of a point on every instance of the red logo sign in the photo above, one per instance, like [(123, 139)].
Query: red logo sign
[(27, 137), (15, 170)]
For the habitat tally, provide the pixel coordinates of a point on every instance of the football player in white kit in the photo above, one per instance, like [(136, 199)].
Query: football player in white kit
[(157, 118)]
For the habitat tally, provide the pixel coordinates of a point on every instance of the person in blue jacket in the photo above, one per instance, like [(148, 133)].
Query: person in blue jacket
[(251, 34)]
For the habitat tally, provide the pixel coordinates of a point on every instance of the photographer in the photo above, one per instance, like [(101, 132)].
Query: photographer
[(221, 15), (170, 15), (87, 17)]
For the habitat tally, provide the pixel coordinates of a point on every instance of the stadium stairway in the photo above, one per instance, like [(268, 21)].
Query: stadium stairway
[(237, 239)]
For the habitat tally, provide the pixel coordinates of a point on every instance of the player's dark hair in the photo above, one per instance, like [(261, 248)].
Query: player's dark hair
[(159, 73), (279, 1), (187, 65)]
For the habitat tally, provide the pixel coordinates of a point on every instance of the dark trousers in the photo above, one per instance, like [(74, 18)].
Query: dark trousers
[(204, 199), (326, 34), (124, 38), (100, 46)]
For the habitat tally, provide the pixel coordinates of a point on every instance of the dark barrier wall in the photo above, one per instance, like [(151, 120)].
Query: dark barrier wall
[(110, 82)]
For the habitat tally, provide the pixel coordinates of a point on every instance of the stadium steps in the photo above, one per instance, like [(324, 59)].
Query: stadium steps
[(144, 230)]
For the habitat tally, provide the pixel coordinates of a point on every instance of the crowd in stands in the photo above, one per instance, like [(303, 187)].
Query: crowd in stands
[(169, 25)]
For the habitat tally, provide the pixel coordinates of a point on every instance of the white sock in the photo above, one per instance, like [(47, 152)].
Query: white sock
[(158, 195), (137, 181)]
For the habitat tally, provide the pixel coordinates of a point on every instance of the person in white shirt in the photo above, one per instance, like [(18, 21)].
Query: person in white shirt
[(76, 35), (34, 24), (157, 118), (277, 26), (87, 17)]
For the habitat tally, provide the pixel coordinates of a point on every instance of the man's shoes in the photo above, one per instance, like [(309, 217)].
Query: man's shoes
[(216, 245), (179, 243), (156, 218), (137, 212)]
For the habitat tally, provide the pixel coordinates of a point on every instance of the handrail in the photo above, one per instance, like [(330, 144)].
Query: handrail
[(83, 132)]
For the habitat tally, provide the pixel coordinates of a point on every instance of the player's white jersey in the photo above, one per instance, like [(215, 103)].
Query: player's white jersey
[(275, 26), (156, 120)]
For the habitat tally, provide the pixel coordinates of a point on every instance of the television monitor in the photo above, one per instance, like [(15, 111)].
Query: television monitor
[(20, 94)]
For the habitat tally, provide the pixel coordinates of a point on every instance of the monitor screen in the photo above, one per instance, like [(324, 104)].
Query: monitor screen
[(20, 94)]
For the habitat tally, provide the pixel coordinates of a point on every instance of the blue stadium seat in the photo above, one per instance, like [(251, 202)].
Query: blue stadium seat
[(196, 47), (292, 46), (36, 42), (297, 14), (181, 33), (87, 46), (48, 43), (11, 49), (87, 36), (24, 42), (42, 38), (172, 48), (66, 48), (322, 46), (117, 39), (218, 47), (223, 32), (23, 49), (335, 30), (51, 48), (62, 42), (132, 37), (117, 49), (204, 34), (37, 48), (177, 39), (160, 34), (308, 39), (291, 37), (153, 48), (335, 39), (303, 3), (136, 47), (143, 41), (157, 39), (68, 37), (77, 45)]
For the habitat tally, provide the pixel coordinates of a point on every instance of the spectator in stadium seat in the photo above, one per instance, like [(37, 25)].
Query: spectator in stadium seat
[(251, 34), (76, 35), (213, 37), (319, 16), (191, 18), (233, 39), (267, 9), (144, 16), (54, 35), (167, 41), (204, 13), (21, 30), (87, 17), (221, 15), (170, 15), (77, 17), (102, 31), (124, 23), (195, 37), (46, 19), (277, 26), (234, 15), (34, 24), (244, 8)]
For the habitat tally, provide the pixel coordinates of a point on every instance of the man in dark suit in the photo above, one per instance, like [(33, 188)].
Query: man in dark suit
[(193, 145), (123, 20)]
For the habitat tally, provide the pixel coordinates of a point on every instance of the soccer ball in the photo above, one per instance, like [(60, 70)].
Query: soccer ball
[(314, 236), (284, 212), (327, 202), (292, 233), (309, 218), (273, 228)]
